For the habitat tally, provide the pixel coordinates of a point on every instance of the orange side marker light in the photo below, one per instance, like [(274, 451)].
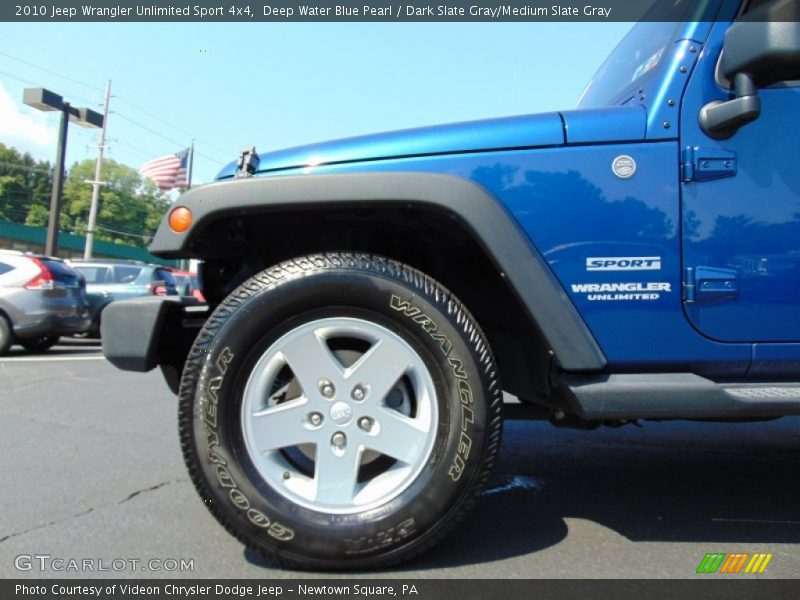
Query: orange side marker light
[(180, 219)]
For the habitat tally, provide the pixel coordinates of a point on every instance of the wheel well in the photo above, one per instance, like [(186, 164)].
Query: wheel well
[(432, 241)]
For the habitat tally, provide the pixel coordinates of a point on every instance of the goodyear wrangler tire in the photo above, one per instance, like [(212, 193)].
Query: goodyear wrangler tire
[(340, 411)]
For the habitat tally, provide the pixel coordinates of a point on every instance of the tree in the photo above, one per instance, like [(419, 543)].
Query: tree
[(129, 209), (24, 182), (38, 216)]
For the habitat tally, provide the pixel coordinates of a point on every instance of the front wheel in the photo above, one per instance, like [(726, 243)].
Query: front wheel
[(340, 411)]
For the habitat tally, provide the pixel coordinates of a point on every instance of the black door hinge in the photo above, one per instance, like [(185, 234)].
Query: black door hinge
[(709, 283), (704, 164)]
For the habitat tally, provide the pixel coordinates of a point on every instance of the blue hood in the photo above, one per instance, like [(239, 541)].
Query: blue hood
[(528, 131)]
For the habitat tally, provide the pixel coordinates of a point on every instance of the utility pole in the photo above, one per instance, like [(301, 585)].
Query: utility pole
[(90, 226)]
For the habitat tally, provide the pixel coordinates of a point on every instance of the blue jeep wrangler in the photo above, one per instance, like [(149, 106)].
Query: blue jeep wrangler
[(370, 299)]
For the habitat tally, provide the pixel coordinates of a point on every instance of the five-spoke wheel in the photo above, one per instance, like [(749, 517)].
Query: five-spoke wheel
[(339, 414)]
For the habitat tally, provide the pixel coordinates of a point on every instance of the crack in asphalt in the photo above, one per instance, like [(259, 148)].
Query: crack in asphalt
[(90, 510), (46, 525), (148, 489)]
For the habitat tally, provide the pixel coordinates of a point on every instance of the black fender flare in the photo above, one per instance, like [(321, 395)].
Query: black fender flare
[(479, 211)]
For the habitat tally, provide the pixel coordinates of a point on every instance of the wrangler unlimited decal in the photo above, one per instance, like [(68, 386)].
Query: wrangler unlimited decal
[(621, 291)]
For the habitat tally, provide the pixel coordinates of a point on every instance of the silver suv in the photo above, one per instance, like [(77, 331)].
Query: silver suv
[(41, 299), (108, 280)]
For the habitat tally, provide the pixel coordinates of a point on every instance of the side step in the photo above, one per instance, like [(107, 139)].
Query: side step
[(675, 396)]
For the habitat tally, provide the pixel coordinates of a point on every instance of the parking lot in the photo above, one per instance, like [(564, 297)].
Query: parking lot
[(92, 469)]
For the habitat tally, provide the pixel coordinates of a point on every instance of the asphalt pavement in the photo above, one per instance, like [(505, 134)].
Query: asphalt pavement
[(92, 470)]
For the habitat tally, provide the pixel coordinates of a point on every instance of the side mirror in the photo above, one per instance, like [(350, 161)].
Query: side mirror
[(760, 49)]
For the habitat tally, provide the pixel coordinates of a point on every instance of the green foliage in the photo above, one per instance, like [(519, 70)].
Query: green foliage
[(38, 216), (23, 182), (130, 208)]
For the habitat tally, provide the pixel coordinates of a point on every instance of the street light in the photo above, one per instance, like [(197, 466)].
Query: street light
[(48, 101)]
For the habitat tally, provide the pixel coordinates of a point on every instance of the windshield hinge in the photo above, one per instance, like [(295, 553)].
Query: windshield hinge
[(248, 162)]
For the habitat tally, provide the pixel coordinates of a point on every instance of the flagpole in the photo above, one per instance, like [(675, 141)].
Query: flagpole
[(186, 263), (191, 164)]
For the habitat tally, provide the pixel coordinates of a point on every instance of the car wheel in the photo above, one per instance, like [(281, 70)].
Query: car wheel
[(39, 344), (340, 411), (6, 335)]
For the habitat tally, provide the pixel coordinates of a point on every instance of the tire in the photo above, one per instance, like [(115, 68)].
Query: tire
[(40, 344), (264, 396), (6, 335)]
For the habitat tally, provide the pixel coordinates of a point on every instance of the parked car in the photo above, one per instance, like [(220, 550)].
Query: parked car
[(41, 299), (188, 284), (108, 280), (370, 299)]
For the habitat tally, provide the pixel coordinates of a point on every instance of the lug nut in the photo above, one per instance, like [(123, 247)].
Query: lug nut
[(338, 439), (326, 388), (359, 393), (365, 423), (315, 419)]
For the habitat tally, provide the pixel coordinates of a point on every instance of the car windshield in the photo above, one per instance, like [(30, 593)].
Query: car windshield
[(109, 274), (126, 274), (95, 274), (638, 57)]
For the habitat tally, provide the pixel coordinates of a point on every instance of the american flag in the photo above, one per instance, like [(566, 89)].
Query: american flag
[(169, 172)]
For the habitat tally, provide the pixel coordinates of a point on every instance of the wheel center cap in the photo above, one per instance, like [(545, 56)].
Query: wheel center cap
[(341, 413)]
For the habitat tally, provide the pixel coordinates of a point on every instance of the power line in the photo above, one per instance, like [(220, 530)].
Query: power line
[(146, 128), (46, 70), (167, 123), (161, 135), (38, 84), (152, 116), (131, 148), (206, 156), (125, 100), (22, 79), (122, 232), (205, 143)]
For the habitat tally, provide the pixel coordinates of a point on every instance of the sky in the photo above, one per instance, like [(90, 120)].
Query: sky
[(277, 85)]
